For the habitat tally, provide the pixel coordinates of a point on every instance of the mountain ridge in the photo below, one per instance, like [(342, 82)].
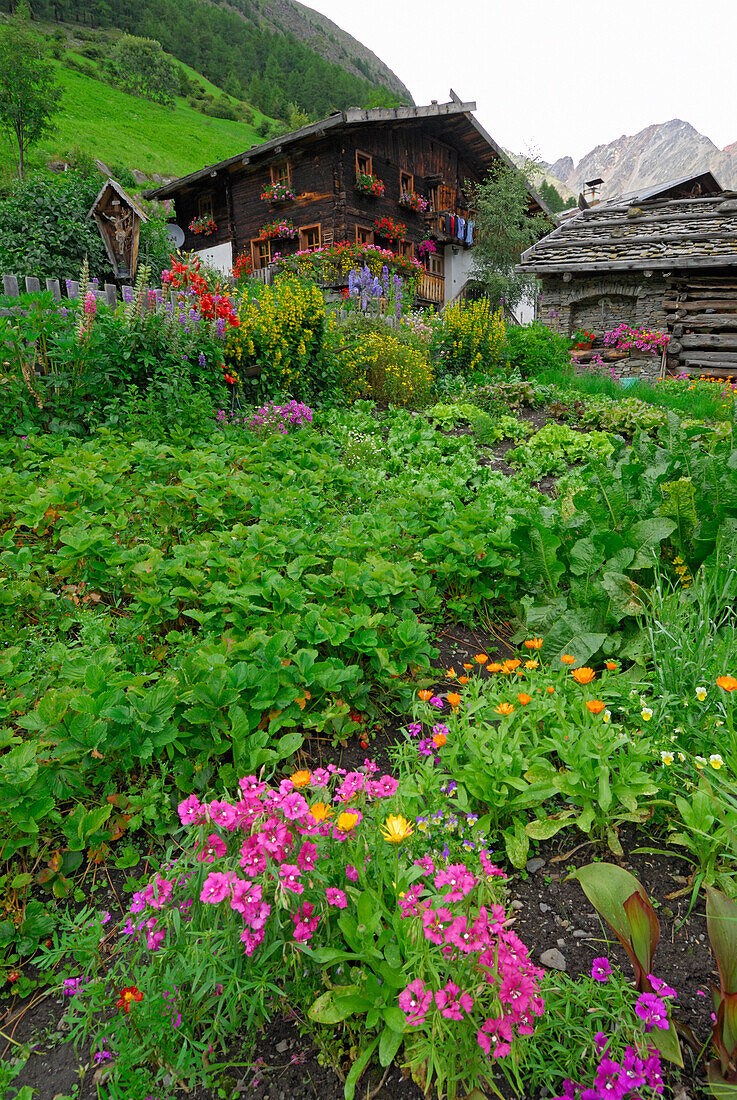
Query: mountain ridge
[(660, 152)]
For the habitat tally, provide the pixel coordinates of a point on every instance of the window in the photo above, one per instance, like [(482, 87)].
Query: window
[(364, 164), (406, 182), (436, 263), (280, 173), (309, 236), (261, 252), (204, 205), (364, 235)]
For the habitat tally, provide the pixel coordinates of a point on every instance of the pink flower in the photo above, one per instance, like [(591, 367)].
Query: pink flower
[(384, 787), (213, 848), (222, 814), (158, 892), (433, 922), (426, 863), (289, 874), (458, 878), (336, 897), (351, 873), (495, 1037), (294, 806), (216, 887), (191, 811), (601, 969), (414, 1002), (306, 857), (351, 785), (451, 1005)]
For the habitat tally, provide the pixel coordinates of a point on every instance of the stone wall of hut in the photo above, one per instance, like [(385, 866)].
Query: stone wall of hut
[(599, 302)]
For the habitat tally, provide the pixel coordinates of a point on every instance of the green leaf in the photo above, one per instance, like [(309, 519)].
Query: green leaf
[(667, 1043), (389, 1043), (357, 1069), (394, 1018), (544, 828), (517, 844), (721, 924), (327, 1010)]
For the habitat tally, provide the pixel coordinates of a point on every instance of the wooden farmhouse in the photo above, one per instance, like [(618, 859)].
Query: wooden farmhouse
[(424, 159), (664, 258)]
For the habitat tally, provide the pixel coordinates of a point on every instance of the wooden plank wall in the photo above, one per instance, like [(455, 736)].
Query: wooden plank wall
[(702, 320)]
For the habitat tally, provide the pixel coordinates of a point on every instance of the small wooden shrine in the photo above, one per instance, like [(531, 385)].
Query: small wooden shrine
[(119, 220)]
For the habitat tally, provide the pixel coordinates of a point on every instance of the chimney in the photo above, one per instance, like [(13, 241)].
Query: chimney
[(592, 191)]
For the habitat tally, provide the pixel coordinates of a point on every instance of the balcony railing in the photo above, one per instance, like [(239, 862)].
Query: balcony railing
[(431, 288)]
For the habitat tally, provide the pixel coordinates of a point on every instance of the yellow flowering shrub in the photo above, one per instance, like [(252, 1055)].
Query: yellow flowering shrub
[(284, 330), (471, 338), (384, 368)]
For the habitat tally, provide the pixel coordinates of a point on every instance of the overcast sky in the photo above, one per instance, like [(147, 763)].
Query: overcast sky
[(558, 78)]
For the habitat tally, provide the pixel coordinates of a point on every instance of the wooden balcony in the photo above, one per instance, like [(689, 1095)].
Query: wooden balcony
[(435, 227)]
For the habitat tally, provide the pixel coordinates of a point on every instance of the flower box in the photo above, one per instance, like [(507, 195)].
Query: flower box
[(203, 226), (415, 202), (277, 194), (391, 230), (280, 228), (370, 185)]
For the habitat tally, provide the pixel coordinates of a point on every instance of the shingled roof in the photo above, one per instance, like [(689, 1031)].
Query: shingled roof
[(657, 234)]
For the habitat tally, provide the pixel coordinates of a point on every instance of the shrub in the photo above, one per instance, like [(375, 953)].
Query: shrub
[(387, 369), (535, 349), (471, 339), (284, 332)]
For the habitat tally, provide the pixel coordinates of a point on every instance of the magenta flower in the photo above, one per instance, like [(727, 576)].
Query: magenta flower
[(336, 897), (458, 877), (495, 1036), (351, 873), (453, 1002), (660, 987), (213, 848), (191, 811), (437, 702), (652, 1011), (414, 1002), (601, 969), (216, 887), (289, 873)]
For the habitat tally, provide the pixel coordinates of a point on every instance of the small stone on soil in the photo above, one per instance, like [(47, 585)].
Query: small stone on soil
[(535, 864), (553, 959)]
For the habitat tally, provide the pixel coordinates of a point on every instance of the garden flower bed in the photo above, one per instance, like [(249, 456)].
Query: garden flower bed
[(320, 720)]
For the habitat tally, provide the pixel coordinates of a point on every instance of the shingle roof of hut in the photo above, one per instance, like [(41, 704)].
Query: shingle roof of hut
[(638, 232)]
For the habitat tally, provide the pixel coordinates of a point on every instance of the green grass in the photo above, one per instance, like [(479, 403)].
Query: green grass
[(122, 129), (697, 400)]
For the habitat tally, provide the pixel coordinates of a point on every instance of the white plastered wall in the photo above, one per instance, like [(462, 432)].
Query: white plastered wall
[(219, 256)]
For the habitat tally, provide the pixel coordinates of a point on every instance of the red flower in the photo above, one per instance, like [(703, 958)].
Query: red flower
[(127, 995)]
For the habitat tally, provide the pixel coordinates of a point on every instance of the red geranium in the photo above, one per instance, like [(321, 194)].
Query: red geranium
[(127, 996)]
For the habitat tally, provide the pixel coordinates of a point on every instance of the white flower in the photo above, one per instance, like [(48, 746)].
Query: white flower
[(666, 758), (701, 694), (716, 761), (606, 716), (681, 757), (646, 714), (700, 762)]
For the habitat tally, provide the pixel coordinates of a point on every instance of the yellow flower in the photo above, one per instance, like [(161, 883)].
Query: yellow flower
[(530, 664), (716, 761), (666, 758), (646, 714), (700, 762), (505, 709), (320, 811), (606, 716), (346, 822), (396, 829), (701, 694)]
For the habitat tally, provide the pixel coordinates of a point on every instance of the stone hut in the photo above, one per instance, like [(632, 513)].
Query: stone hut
[(663, 258)]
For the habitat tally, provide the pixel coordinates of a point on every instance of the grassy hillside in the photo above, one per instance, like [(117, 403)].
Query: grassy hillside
[(122, 129)]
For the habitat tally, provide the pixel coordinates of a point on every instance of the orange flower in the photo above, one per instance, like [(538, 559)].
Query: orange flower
[(347, 821), (534, 643), (467, 667), (524, 698), (481, 658), (550, 689), (596, 706), (511, 664), (567, 659), (612, 666), (530, 664), (453, 698), (439, 740), (583, 675), (727, 683), (425, 695), (494, 667), (320, 811), (463, 679), (301, 779), (450, 673), (505, 709)]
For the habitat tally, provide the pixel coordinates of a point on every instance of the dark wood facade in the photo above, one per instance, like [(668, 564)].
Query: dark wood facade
[(434, 151)]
